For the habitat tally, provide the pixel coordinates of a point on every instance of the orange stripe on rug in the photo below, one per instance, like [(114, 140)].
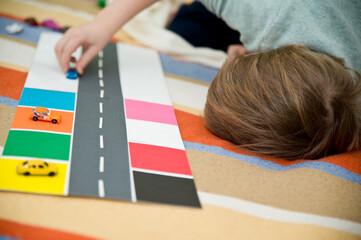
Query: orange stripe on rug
[(193, 130), (28, 232), (8, 16), (12, 82)]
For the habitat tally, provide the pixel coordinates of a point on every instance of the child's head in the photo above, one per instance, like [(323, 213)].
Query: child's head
[(289, 102)]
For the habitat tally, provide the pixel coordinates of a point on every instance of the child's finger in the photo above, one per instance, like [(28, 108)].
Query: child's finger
[(71, 45), (85, 58), (59, 50)]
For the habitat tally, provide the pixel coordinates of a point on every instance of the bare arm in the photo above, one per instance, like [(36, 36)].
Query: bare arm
[(94, 35)]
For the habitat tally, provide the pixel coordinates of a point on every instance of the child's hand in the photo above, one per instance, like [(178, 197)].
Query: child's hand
[(92, 36)]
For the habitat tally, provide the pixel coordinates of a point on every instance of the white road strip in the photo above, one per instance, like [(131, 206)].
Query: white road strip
[(100, 54), (101, 141), (101, 164), (100, 72), (45, 131), (32, 158), (101, 188), (101, 107), (276, 214), (56, 109), (101, 93), (100, 63), (1, 150), (162, 173), (100, 122), (101, 83)]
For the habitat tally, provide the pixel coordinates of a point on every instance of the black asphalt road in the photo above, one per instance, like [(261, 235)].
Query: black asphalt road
[(87, 176)]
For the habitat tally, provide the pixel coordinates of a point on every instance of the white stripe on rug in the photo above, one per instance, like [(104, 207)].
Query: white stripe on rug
[(276, 214)]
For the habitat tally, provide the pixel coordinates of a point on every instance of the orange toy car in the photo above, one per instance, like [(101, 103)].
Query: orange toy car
[(44, 114)]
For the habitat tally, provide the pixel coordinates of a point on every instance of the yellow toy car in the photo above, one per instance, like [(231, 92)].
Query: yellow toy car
[(37, 167), (44, 114)]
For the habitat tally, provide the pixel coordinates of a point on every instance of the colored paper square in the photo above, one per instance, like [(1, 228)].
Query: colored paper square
[(158, 158), (153, 133), (148, 111), (23, 121), (141, 74), (165, 189), (37, 144), (11, 180), (49, 99)]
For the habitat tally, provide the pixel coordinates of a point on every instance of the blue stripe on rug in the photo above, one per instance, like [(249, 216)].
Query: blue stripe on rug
[(29, 33), (2, 237), (189, 70), (9, 101), (319, 165)]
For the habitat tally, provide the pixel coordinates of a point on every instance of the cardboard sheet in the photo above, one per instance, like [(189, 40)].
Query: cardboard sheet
[(117, 138)]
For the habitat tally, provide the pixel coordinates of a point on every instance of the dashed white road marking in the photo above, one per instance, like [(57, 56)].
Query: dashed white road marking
[(101, 141), (101, 107), (101, 164), (101, 188), (100, 122)]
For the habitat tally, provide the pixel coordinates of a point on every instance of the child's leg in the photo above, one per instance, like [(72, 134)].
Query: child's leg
[(202, 28)]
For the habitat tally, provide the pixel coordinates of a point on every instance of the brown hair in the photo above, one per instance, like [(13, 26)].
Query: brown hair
[(289, 103)]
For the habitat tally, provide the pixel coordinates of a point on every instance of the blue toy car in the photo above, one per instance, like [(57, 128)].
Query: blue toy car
[(72, 74)]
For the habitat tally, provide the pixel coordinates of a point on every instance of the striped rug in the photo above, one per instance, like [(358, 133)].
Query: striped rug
[(243, 196)]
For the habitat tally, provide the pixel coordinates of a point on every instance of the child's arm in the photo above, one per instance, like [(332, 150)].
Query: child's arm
[(94, 35)]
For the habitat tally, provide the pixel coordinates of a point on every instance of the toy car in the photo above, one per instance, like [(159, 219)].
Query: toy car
[(72, 73), (14, 28), (37, 167), (44, 114)]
